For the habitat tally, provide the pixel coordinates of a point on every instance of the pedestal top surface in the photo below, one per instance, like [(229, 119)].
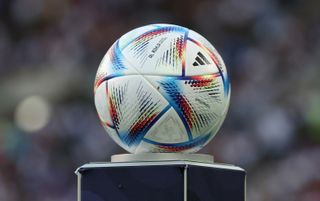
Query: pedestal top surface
[(156, 163)]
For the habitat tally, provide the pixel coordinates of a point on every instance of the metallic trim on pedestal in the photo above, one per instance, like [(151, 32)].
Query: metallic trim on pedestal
[(152, 157)]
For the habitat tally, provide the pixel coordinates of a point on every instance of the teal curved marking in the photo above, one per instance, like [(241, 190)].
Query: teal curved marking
[(188, 144)]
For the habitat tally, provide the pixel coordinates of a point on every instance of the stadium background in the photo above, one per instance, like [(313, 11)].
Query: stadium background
[(50, 51)]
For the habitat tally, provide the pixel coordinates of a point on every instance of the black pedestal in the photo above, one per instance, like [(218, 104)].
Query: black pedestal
[(160, 181)]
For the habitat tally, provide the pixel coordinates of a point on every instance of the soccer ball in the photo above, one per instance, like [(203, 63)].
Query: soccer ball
[(162, 88)]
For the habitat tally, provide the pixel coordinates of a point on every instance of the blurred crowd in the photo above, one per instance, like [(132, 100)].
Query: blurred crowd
[(49, 54)]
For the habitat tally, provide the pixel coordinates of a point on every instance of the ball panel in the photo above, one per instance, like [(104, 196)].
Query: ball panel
[(198, 100), (159, 51), (135, 105), (205, 96), (168, 129), (170, 89)]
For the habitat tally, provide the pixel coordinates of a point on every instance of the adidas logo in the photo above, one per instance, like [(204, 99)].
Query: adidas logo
[(200, 60)]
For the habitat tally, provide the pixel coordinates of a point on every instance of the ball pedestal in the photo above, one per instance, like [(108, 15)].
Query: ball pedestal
[(161, 177)]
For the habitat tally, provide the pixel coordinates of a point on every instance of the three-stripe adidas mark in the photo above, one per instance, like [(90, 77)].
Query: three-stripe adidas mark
[(200, 60)]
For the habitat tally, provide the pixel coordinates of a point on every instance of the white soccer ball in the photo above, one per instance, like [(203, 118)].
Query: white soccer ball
[(162, 88)]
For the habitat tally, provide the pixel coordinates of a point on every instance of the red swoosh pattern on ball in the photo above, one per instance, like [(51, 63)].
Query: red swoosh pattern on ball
[(187, 110), (138, 127), (113, 111), (204, 81), (155, 32), (183, 52)]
